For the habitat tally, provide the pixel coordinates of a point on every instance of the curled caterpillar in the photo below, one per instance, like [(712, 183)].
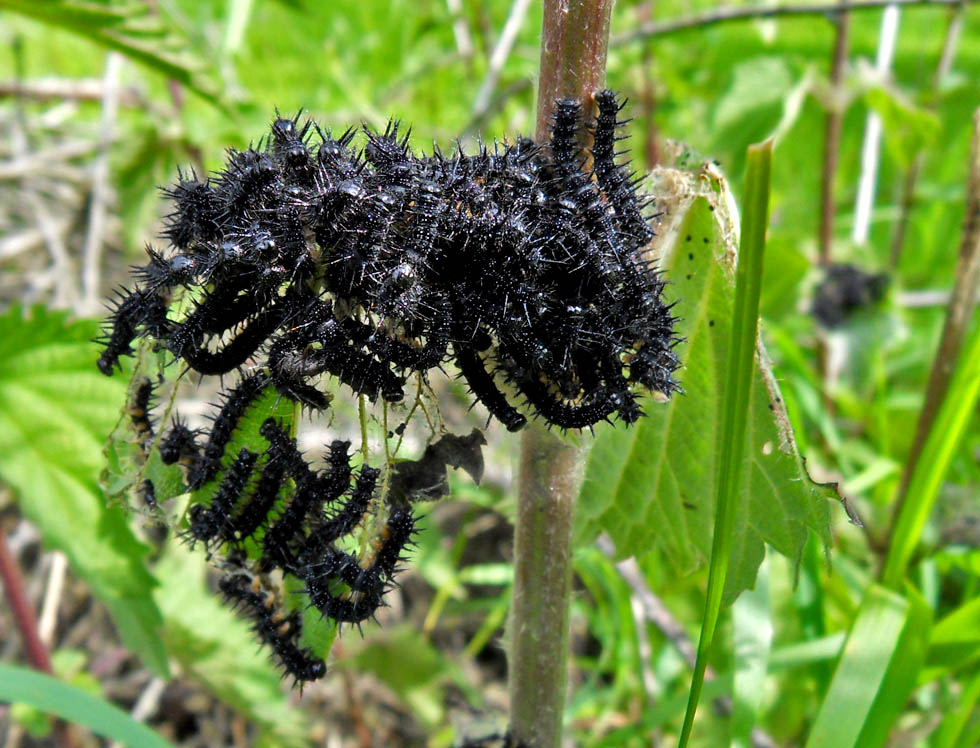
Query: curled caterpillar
[(279, 630), (340, 587)]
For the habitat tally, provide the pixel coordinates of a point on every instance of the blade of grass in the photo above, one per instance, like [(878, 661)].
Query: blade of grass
[(877, 671), (731, 442), (74, 705), (752, 619), (951, 731), (944, 437), (807, 653)]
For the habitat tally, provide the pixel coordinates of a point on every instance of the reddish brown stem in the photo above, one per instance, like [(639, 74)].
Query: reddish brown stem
[(574, 41), (831, 151), (20, 605), (648, 97), (26, 620)]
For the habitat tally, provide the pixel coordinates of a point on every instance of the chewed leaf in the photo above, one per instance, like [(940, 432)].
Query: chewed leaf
[(652, 485)]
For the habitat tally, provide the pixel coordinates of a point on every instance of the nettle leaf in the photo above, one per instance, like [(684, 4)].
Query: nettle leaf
[(55, 408), (652, 485)]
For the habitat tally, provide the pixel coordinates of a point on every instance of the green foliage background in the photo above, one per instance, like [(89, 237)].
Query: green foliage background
[(209, 75)]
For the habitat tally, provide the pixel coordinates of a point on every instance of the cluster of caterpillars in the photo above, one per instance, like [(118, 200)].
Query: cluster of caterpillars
[(514, 264), (303, 259), (293, 516)]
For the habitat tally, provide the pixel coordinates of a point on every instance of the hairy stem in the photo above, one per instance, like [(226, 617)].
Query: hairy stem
[(574, 40), (550, 475)]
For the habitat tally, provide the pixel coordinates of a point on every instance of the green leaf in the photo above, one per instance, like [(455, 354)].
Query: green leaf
[(652, 485), (955, 641), (877, 671), (806, 653), (128, 27), (758, 84), (55, 409), (908, 129), (75, 705)]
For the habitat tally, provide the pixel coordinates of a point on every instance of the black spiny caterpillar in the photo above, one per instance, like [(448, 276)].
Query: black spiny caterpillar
[(305, 258), (514, 263)]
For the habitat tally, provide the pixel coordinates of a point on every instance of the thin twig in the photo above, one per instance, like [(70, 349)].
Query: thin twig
[(834, 123), (725, 15), (54, 239), (52, 598), (20, 606), (515, 19), (831, 153), (92, 252), (75, 89), (27, 240), (50, 160), (920, 299)]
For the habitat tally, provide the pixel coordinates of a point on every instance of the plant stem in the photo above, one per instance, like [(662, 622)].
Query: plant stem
[(961, 306), (551, 472), (574, 40), (961, 303), (20, 606), (835, 118), (831, 156)]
